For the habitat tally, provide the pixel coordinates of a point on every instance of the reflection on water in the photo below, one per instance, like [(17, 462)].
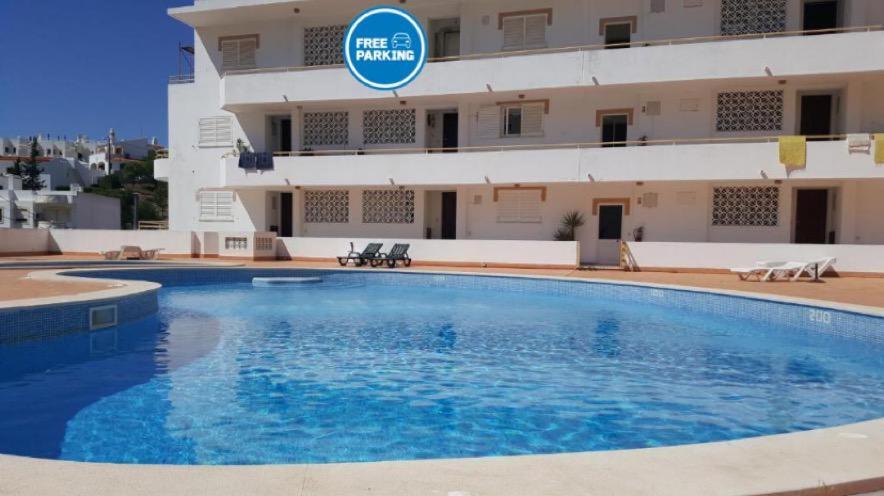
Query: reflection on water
[(333, 372)]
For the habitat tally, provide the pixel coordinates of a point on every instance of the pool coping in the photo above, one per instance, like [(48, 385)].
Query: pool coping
[(841, 460)]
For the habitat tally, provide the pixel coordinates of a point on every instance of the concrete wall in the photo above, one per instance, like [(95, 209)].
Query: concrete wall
[(92, 241), (491, 252), (723, 256), (24, 241)]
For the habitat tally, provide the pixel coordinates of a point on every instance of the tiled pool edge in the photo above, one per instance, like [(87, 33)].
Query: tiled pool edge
[(856, 321), (838, 461), (42, 318)]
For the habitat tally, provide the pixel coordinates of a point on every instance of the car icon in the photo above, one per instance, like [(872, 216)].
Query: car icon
[(401, 40)]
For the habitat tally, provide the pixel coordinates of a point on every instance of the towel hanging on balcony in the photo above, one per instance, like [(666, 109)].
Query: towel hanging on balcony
[(859, 143), (793, 151), (879, 149)]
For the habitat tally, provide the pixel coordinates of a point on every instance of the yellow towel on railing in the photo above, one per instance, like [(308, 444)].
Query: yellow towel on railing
[(879, 148), (793, 151)]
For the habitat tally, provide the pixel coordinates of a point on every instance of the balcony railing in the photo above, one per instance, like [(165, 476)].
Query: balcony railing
[(584, 48), (162, 154), (557, 146), (181, 79)]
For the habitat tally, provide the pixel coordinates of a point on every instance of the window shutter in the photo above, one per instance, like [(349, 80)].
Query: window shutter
[(535, 31), (519, 206), (532, 119), (247, 49), (489, 122), (513, 32), (216, 205), (224, 202), (229, 54), (215, 131)]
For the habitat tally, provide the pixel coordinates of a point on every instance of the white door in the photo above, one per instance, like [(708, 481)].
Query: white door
[(610, 233)]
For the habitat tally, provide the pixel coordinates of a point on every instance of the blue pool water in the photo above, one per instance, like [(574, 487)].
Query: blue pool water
[(362, 371)]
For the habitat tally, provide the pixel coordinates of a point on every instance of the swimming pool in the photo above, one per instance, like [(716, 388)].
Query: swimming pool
[(369, 366)]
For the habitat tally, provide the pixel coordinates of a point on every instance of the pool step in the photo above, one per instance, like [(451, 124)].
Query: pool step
[(265, 282)]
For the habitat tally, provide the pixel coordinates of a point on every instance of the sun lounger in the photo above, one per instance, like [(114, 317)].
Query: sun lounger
[(768, 271), (370, 252), (399, 253), (815, 269), (132, 253)]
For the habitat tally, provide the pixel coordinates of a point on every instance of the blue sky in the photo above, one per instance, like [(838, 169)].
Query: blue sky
[(83, 66)]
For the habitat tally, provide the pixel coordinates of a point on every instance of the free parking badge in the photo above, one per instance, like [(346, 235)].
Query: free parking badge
[(385, 48)]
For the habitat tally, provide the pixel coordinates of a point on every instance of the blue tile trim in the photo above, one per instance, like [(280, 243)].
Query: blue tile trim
[(793, 315), (26, 324)]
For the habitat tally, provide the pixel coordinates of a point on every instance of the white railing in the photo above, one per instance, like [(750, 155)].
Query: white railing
[(556, 146), (181, 79), (586, 48)]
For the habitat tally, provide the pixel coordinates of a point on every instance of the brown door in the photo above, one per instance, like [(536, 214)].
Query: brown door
[(449, 215), (811, 212)]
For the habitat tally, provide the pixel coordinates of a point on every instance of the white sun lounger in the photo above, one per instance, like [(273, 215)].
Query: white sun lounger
[(815, 269), (768, 271)]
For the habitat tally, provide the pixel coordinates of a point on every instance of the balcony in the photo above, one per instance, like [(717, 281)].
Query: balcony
[(712, 159), (181, 79), (775, 55)]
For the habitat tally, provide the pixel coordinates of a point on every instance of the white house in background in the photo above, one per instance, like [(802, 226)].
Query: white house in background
[(76, 162), (114, 155), (656, 119), (46, 208)]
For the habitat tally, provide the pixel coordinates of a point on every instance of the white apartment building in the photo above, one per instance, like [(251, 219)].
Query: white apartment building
[(657, 119), (73, 209)]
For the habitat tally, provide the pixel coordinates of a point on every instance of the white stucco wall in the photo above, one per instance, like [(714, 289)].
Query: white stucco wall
[(723, 256), (421, 250)]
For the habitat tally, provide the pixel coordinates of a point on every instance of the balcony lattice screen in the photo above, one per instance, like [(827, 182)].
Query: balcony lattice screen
[(323, 45), (327, 207), (389, 126), (746, 206), (388, 206), (750, 111), (752, 16), (326, 128)]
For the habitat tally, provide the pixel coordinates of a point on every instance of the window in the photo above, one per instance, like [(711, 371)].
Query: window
[(216, 205), (519, 205), (522, 32), (523, 119), (614, 130), (618, 31), (388, 206), (238, 52), (750, 111), (618, 35), (215, 131), (746, 206), (1, 212)]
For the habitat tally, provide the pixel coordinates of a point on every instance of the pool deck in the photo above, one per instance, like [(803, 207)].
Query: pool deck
[(845, 460)]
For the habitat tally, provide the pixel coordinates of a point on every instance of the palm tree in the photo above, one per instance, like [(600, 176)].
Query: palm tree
[(570, 222)]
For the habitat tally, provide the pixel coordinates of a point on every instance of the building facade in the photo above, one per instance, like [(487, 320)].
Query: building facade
[(48, 209), (658, 120)]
